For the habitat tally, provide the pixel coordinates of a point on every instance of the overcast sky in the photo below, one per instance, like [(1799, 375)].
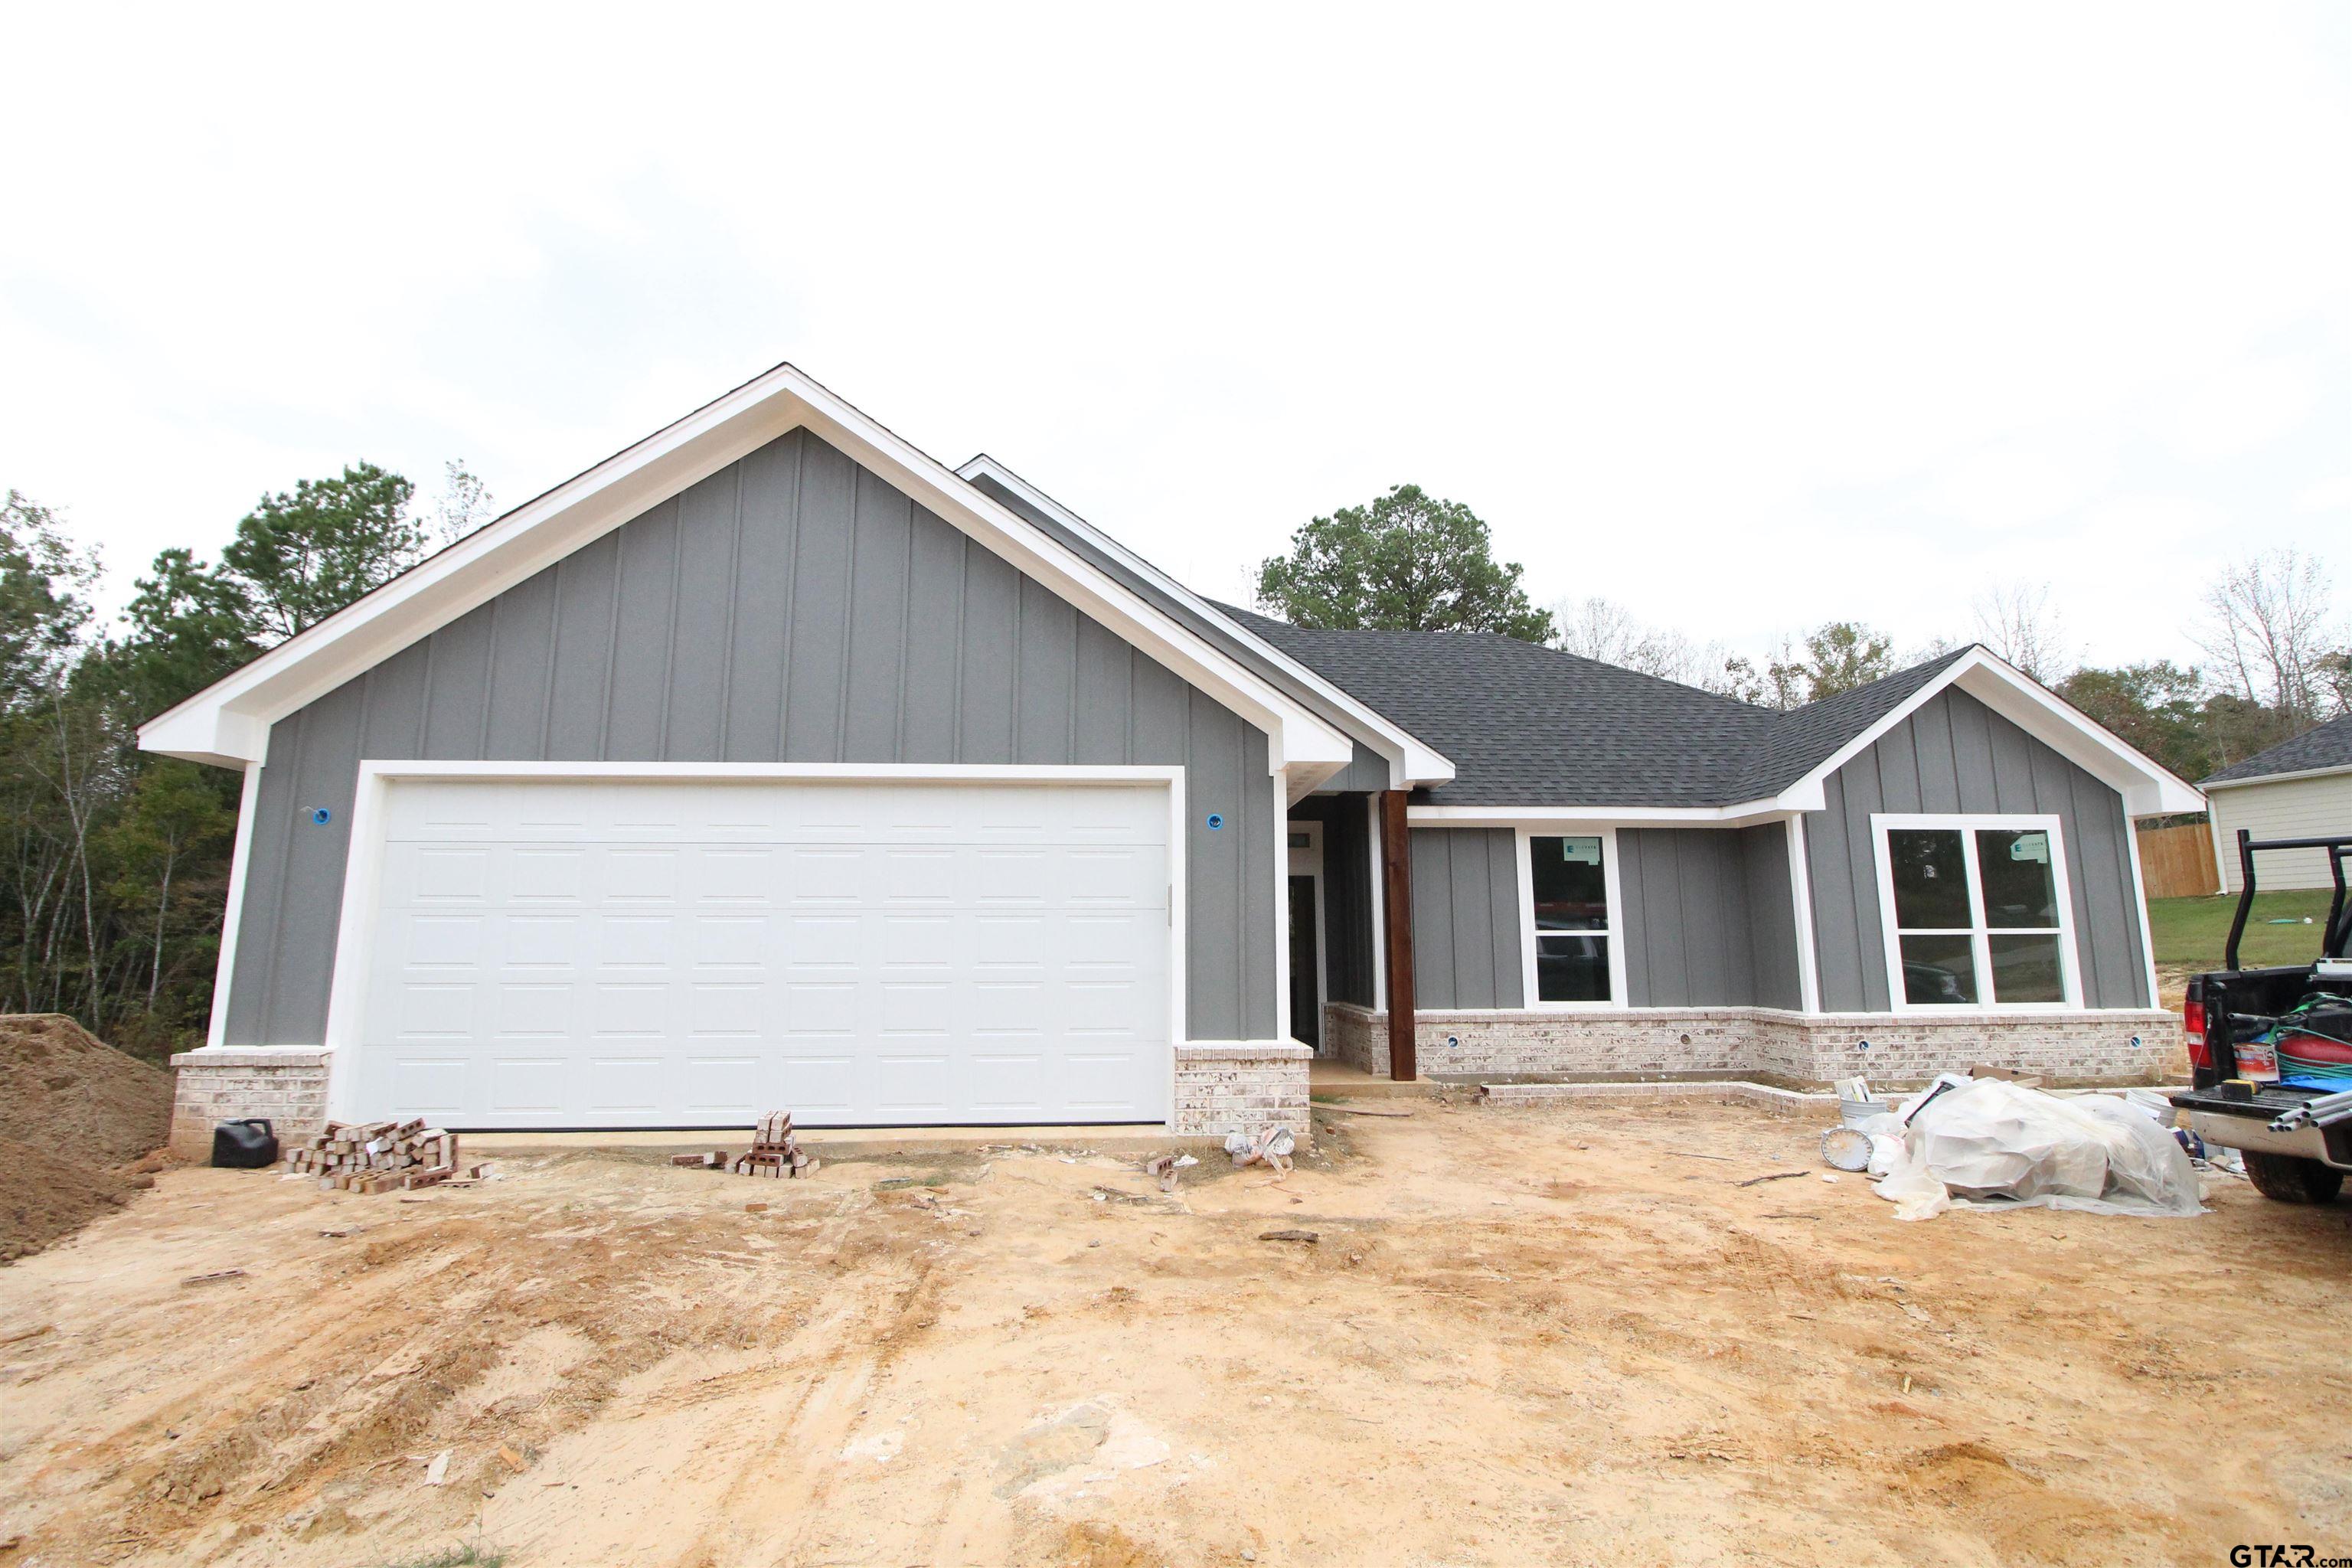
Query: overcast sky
[(1745, 316)]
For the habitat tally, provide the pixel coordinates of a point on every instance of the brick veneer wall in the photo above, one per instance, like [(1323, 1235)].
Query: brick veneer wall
[(1220, 1088), (287, 1087), (1809, 1050), (1224, 1089)]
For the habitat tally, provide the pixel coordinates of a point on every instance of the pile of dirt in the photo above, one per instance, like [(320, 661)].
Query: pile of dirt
[(80, 1125)]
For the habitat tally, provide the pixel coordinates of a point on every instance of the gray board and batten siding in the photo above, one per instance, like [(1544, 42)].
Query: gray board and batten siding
[(1708, 919), (1955, 754), (792, 607)]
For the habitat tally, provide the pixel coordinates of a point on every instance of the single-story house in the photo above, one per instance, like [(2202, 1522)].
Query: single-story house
[(2300, 788), (770, 763)]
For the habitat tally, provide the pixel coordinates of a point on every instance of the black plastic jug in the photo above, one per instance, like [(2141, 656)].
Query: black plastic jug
[(245, 1146)]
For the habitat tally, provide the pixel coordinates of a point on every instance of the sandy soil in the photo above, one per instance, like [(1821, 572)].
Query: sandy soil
[(81, 1127), (1524, 1335)]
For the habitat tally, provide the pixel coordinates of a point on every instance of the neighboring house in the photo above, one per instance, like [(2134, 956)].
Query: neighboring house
[(770, 763), (2299, 789)]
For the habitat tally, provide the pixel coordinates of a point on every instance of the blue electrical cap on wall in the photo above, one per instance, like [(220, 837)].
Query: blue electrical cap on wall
[(1216, 820), (321, 815)]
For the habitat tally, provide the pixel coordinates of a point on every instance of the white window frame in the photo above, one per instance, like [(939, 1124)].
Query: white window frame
[(1967, 823), (1529, 997)]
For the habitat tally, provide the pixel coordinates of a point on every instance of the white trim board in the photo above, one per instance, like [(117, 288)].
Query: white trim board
[(354, 935), (1966, 824), (229, 722), (2277, 778), (1523, 863), (1411, 762), (232, 913), (2147, 789)]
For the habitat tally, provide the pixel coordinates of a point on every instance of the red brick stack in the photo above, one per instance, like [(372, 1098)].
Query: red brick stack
[(378, 1156)]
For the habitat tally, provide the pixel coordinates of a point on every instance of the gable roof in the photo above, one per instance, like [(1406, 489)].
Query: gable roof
[(1537, 728), (2325, 749), (1411, 762), (229, 722), (1534, 726)]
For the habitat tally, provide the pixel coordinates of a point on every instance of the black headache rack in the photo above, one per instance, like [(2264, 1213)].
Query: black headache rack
[(2240, 1004), (2339, 924)]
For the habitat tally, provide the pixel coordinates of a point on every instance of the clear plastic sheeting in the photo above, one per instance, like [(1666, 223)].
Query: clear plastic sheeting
[(1988, 1143)]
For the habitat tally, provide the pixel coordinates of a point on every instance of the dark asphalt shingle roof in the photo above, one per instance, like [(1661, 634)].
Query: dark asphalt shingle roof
[(1525, 725), (2329, 746)]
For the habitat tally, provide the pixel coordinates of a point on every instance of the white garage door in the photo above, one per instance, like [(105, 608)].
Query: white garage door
[(651, 954)]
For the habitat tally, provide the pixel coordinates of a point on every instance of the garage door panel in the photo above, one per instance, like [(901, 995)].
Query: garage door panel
[(1100, 1082), (633, 943), (427, 1086), (630, 1011), (659, 954), (726, 1086), (719, 1008), (1007, 1084), (536, 1011), (913, 1084), (626, 1083)]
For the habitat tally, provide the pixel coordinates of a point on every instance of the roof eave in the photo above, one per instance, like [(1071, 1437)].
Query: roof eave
[(1413, 764), (2148, 789), (228, 722)]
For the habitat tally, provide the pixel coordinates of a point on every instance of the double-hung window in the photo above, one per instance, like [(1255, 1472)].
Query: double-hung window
[(1569, 879), (1976, 911)]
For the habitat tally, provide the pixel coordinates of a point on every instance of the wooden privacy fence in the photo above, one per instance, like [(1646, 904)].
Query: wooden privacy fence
[(2178, 862)]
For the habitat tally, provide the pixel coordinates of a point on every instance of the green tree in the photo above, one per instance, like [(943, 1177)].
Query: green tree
[(173, 819), (304, 554), (42, 608), (190, 625), (2153, 708), (1407, 562), (1843, 655)]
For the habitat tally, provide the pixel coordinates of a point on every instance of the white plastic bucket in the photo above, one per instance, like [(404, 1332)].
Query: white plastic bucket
[(1854, 1112), (1846, 1149)]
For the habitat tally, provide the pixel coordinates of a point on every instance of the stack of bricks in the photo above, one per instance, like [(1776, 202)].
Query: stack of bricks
[(774, 1153), (378, 1157)]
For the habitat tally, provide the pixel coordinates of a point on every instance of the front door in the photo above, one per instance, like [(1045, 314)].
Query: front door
[(1306, 933), (1306, 965)]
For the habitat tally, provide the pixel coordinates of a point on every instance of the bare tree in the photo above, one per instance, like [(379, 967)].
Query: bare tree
[(2267, 631), (1603, 629), (2017, 621), (465, 503)]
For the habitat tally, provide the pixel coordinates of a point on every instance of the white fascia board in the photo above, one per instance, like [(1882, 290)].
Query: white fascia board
[(1412, 762), (2277, 778), (2147, 788), (229, 720), (1746, 815)]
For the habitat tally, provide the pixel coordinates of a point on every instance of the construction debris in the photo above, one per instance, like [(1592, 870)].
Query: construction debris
[(1306, 1235), (774, 1151), (215, 1278), (378, 1157), (1273, 1146), (1165, 1168)]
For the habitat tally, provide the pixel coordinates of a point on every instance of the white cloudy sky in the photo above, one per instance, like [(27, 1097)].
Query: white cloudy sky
[(1745, 316)]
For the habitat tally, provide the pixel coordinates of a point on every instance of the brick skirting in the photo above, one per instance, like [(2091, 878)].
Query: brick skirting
[(227, 1084), (1240, 1087), (1808, 1050)]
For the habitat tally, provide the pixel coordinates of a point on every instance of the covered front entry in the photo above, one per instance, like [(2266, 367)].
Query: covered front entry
[(618, 952)]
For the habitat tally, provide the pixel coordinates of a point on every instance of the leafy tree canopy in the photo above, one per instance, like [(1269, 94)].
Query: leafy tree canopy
[(1408, 562), (302, 556)]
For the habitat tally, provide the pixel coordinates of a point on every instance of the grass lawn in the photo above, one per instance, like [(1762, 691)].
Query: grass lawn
[(2190, 932)]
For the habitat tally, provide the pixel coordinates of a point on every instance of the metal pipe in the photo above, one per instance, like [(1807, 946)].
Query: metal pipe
[(2245, 900)]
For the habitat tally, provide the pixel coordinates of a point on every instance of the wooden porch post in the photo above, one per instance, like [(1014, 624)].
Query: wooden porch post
[(1396, 911)]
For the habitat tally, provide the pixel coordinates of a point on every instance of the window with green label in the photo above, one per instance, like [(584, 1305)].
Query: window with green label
[(1976, 913), (1570, 882)]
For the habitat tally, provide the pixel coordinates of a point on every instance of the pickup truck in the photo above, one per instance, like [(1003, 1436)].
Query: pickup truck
[(2271, 1049)]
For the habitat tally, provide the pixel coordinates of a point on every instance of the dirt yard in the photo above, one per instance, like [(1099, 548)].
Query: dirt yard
[(1524, 1336)]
